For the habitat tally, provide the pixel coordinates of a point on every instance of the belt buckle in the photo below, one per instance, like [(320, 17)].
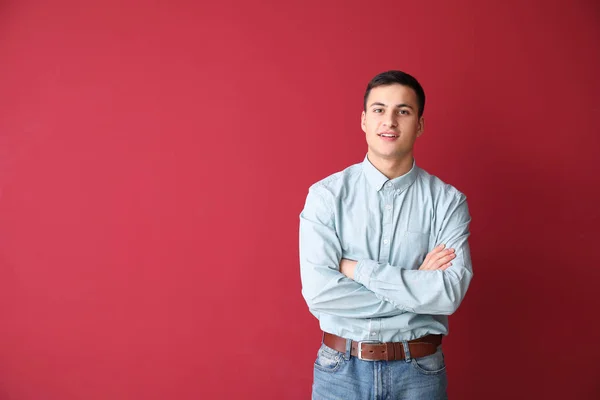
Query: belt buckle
[(360, 348)]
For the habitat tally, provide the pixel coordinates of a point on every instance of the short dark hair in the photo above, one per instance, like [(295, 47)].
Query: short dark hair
[(399, 77)]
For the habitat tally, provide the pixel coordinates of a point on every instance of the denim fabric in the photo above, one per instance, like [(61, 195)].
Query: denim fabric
[(340, 377)]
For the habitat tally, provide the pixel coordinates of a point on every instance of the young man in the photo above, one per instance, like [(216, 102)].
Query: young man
[(384, 259)]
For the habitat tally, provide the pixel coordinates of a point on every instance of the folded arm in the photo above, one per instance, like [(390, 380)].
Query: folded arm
[(436, 292), (324, 287)]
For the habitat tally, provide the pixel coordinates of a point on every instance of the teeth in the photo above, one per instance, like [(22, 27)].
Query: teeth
[(386, 135)]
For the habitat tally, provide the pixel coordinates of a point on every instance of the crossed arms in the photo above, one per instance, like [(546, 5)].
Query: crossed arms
[(369, 289)]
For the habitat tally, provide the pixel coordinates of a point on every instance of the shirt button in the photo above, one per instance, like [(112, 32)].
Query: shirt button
[(388, 207), (373, 333), (389, 184), (385, 241)]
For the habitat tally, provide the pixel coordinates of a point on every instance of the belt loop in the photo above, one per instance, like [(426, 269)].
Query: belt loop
[(348, 349), (406, 350)]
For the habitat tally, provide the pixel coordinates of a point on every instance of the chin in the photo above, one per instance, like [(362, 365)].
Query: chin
[(387, 153), (392, 156)]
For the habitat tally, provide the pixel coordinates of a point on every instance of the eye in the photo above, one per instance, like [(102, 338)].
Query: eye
[(403, 112), (378, 110)]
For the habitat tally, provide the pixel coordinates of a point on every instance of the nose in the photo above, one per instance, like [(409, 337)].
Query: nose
[(390, 121)]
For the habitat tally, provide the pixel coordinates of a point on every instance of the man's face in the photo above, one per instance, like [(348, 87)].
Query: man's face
[(391, 122)]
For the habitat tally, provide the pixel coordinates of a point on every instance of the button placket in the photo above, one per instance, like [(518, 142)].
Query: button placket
[(386, 233)]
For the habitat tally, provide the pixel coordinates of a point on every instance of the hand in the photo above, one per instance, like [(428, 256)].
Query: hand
[(438, 259), (347, 267)]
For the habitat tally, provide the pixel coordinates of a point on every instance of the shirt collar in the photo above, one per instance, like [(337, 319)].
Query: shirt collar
[(377, 180)]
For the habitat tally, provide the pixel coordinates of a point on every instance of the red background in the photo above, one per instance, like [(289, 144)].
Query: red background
[(154, 158)]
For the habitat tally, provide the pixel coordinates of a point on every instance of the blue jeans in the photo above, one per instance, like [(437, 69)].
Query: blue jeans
[(344, 377)]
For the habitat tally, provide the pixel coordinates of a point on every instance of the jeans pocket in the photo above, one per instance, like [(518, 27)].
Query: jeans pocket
[(328, 359), (430, 365)]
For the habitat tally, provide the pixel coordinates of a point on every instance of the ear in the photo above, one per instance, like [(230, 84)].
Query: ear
[(363, 122), (421, 127)]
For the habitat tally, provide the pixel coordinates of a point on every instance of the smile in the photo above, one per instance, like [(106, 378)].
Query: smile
[(387, 135)]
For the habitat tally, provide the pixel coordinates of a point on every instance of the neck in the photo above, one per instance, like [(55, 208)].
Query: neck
[(392, 167)]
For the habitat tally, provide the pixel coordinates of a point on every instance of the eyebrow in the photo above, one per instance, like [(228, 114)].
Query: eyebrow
[(397, 105)]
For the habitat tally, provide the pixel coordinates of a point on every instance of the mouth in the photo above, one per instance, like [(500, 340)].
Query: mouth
[(388, 135)]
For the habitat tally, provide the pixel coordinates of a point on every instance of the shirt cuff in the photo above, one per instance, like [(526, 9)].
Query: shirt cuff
[(364, 270)]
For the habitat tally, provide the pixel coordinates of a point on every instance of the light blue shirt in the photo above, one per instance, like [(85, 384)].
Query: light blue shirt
[(388, 226)]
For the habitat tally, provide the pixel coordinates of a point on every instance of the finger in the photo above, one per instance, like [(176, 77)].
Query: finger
[(444, 260), (432, 260), (439, 261), (435, 263), (425, 266), (438, 249), (445, 267), (435, 258), (441, 268), (431, 254)]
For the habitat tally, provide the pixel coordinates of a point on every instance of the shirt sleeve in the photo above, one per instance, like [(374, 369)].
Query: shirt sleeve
[(324, 287), (427, 292)]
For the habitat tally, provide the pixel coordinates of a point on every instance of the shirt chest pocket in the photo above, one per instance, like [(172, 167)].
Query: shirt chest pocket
[(414, 247)]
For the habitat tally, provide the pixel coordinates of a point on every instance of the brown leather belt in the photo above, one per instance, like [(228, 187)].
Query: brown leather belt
[(391, 351)]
